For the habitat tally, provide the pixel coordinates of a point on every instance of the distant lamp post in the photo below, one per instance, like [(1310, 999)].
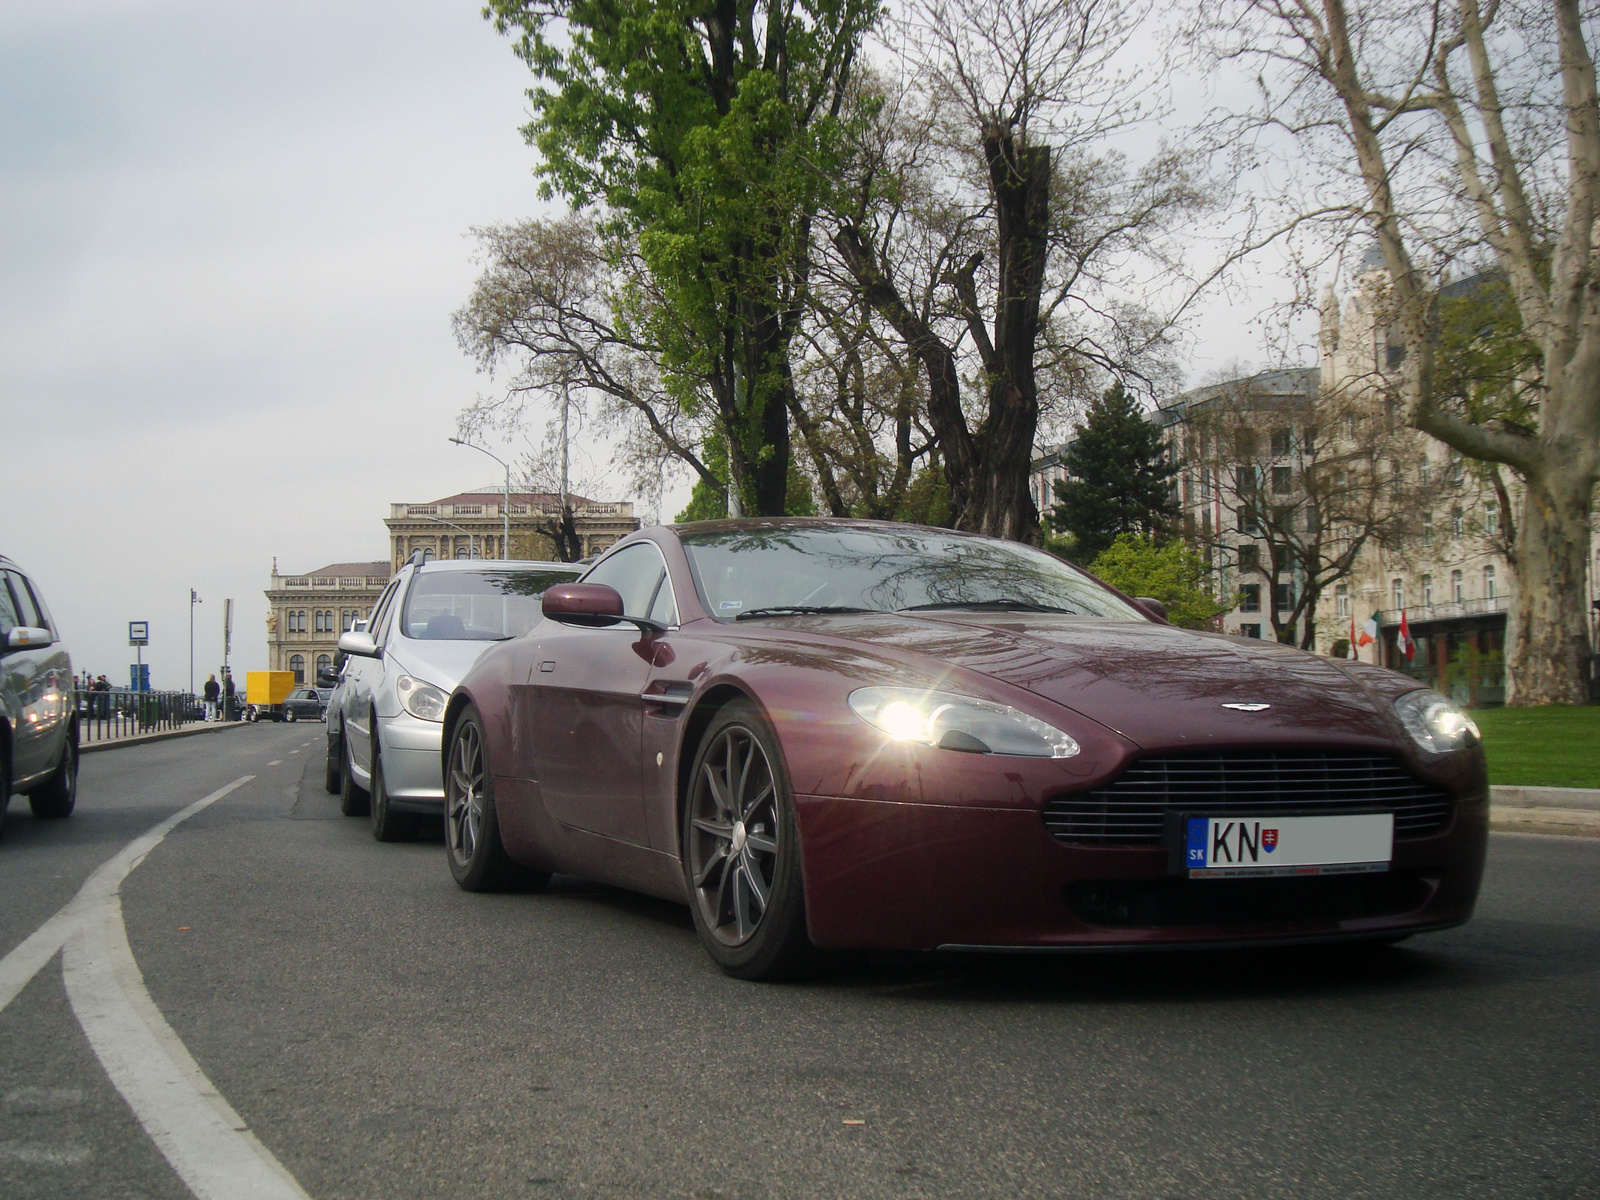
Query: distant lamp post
[(505, 508), (194, 598)]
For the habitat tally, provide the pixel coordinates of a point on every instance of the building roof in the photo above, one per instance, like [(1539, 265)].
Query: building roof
[(350, 570), (1262, 388), (495, 495)]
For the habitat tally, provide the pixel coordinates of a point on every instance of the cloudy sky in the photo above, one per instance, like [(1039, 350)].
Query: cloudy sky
[(231, 237)]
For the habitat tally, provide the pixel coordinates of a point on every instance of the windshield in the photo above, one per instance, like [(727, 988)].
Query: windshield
[(476, 606), (772, 571)]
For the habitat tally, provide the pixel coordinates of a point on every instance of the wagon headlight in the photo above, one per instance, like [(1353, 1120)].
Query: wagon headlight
[(421, 700), (958, 723), (1437, 724)]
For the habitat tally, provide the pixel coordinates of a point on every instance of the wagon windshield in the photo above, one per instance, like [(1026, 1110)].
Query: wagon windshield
[(477, 606), (779, 570)]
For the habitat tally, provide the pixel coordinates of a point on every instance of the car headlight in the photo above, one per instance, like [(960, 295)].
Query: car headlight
[(421, 700), (958, 723), (1436, 723)]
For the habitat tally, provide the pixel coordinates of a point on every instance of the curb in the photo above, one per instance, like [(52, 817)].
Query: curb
[(144, 739), (1569, 822), (1518, 796)]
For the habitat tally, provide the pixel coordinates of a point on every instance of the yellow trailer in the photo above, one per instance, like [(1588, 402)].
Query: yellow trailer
[(265, 692)]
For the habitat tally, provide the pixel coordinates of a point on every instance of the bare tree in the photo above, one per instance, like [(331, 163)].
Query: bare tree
[(1465, 134), (998, 237), (1306, 486)]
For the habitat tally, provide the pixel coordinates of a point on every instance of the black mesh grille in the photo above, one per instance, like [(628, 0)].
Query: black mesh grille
[(1132, 809)]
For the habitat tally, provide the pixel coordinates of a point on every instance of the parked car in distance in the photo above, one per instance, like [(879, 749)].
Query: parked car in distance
[(305, 704), (429, 625), (859, 735), (38, 718)]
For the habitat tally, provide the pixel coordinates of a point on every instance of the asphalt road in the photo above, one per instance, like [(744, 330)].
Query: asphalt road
[(385, 1035)]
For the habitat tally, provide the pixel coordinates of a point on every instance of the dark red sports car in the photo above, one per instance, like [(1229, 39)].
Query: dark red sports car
[(828, 733)]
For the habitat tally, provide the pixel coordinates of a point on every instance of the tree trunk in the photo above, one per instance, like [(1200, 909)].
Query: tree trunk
[(1547, 634)]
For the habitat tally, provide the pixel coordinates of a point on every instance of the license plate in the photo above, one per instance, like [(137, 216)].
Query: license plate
[(1220, 847)]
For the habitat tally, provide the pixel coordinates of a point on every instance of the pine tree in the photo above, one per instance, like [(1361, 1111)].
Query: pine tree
[(1118, 481)]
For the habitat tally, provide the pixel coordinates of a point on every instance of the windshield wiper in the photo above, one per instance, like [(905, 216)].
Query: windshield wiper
[(798, 610), (1002, 605)]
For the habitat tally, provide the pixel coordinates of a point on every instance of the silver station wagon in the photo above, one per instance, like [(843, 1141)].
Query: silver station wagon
[(38, 718)]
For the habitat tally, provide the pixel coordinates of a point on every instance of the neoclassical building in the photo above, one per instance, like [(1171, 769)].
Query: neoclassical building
[(471, 525), (307, 613)]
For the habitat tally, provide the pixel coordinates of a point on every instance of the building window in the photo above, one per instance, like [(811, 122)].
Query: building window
[(346, 619), (1427, 590), (1247, 520), (1488, 583), (1491, 518), (1427, 529), (1457, 525), (1424, 473), (1250, 597), (1282, 480), (1205, 483), (1458, 590), (1250, 631), (1250, 557), (297, 664), (324, 665), (1280, 442), (1341, 600), (1397, 593), (317, 621), (1283, 596)]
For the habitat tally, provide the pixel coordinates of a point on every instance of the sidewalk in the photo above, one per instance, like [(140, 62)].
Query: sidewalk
[(139, 739), (1574, 812)]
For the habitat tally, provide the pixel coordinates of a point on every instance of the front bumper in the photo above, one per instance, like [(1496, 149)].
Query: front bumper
[(898, 875), (412, 774)]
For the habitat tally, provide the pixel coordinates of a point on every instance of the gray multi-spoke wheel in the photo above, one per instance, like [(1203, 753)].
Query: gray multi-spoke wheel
[(388, 824), (478, 859), (353, 798), (741, 851)]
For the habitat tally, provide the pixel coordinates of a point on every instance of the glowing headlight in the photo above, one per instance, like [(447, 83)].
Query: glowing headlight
[(958, 723), (1436, 723), (421, 700)]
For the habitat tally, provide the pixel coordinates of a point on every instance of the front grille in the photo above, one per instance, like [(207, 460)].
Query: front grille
[(1165, 903), (1131, 810)]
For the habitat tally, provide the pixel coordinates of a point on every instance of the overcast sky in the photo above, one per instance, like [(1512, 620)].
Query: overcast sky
[(231, 237)]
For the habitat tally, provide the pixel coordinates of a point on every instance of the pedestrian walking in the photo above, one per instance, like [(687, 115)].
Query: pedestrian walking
[(212, 691), (230, 707)]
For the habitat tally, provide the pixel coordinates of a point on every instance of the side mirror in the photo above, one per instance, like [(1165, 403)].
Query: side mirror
[(1152, 606), (24, 637), (358, 643), (582, 604)]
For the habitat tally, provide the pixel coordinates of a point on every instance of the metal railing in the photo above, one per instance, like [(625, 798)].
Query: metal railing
[(120, 713), (1450, 610)]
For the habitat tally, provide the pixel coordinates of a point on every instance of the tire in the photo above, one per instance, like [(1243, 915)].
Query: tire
[(741, 852), (55, 798), (387, 824), (477, 857), (332, 776), (290, 717), (353, 799)]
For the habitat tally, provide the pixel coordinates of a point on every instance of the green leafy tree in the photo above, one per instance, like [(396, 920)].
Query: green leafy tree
[(1120, 481), (1166, 571), (707, 132)]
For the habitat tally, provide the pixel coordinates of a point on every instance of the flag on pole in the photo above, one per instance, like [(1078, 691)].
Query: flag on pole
[(1404, 644), (1369, 631), (1351, 652)]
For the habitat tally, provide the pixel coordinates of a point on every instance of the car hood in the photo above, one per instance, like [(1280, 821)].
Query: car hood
[(1156, 685), (441, 663)]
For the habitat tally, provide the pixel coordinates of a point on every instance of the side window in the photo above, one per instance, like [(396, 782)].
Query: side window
[(637, 573), (665, 609), (39, 605), (23, 600), (9, 617), (381, 610)]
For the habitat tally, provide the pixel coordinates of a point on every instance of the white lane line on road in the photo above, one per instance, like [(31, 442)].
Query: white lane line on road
[(277, 762), (23, 963), (294, 752), (207, 1143), (202, 1137)]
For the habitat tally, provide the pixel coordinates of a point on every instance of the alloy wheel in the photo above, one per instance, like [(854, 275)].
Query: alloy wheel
[(464, 793), (733, 836)]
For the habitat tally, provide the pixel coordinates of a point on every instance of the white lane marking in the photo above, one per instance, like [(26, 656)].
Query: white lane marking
[(277, 762), (207, 1143), (294, 752), (24, 962), (43, 1154), (202, 1137)]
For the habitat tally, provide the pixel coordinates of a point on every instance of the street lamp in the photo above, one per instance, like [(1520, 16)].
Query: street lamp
[(472, 546), (505, 509), (194, 598)]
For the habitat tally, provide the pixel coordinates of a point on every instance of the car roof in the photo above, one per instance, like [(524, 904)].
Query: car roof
[(497, 564)]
